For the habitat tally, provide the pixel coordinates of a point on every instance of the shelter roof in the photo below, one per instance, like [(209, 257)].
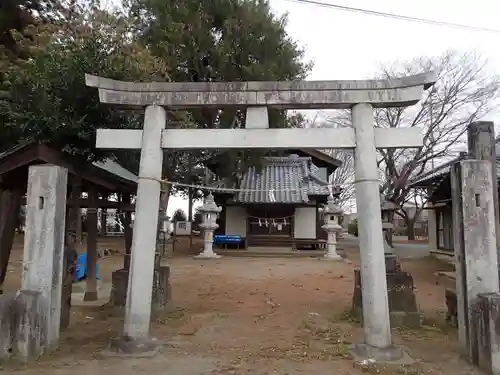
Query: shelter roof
[(443, 171), (107, 175)]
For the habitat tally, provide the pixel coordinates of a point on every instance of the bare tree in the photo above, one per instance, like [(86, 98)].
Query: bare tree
[(465, 92), (343, 177)]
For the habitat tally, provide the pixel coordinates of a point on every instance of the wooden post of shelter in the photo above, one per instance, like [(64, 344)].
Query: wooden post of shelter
[(91, 282), (127, 224), (10, 205)]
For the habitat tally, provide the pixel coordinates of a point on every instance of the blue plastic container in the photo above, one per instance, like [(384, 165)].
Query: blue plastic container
[(81, 267)]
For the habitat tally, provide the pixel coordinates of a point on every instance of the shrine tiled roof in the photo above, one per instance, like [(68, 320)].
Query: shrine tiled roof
[(31, 153), (291, 179)]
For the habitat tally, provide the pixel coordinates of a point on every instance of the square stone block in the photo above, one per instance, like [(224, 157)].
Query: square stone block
[(161, 293), (402, 302), (119, 284)]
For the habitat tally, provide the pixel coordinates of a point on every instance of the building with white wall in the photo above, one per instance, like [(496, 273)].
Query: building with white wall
[(277, 203)]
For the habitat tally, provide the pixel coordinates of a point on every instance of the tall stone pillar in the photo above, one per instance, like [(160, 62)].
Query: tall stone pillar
[(44, 242), (376, 321), (140, 283), (475, 245), (481, 146)]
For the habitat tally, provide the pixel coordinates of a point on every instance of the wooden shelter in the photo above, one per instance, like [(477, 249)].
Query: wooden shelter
[(104, 178), (438, 184)]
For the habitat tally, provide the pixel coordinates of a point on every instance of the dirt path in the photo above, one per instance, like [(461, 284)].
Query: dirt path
[(258, 316)]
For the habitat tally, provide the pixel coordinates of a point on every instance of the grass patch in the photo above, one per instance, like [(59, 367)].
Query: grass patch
[(348, 315), (177, 315), (321, 339), (433, 327)]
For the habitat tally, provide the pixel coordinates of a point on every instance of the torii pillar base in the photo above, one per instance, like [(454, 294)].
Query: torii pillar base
[(335, 257), (128, 347), (365, 354), (204, 255)]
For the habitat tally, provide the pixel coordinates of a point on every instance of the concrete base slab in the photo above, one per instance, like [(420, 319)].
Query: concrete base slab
[(391, 355), (90, 297), (78, 295), (127, 347), (207, 256)]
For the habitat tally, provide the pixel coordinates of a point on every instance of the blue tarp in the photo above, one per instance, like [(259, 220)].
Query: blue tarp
[(81, 267), (225, 239)]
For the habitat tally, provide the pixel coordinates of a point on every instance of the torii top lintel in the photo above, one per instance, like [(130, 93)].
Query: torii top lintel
[(397, 92)]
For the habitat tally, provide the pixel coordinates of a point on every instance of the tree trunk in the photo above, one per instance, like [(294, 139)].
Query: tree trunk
[(104, 221), (410, 228), (10, 205), (390, 237), (190, 197), (70, 252), (158, 291), (161, 244)]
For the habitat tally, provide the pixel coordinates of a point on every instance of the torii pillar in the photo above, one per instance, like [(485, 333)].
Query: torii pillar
[(359, 96)]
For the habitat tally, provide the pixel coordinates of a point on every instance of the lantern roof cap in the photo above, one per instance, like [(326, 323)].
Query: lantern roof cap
[(209, 205), (331, 207)]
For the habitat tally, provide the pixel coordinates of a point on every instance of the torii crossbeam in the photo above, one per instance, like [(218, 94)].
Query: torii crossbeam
[(359, 96)]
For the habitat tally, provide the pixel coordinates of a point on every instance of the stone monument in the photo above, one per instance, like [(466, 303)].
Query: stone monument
[(403, 307)]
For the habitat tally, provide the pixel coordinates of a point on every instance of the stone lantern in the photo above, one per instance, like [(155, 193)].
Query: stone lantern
[(163, 235), (387, 208), (209, 212), (331, 213)]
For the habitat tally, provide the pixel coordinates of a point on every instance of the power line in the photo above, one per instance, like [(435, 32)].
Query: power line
[(396, 16)]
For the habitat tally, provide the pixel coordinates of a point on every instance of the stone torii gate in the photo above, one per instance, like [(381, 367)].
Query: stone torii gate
[(359, 96)]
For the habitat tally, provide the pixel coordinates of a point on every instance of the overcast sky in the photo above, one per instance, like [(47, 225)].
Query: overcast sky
[(348, 45)]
